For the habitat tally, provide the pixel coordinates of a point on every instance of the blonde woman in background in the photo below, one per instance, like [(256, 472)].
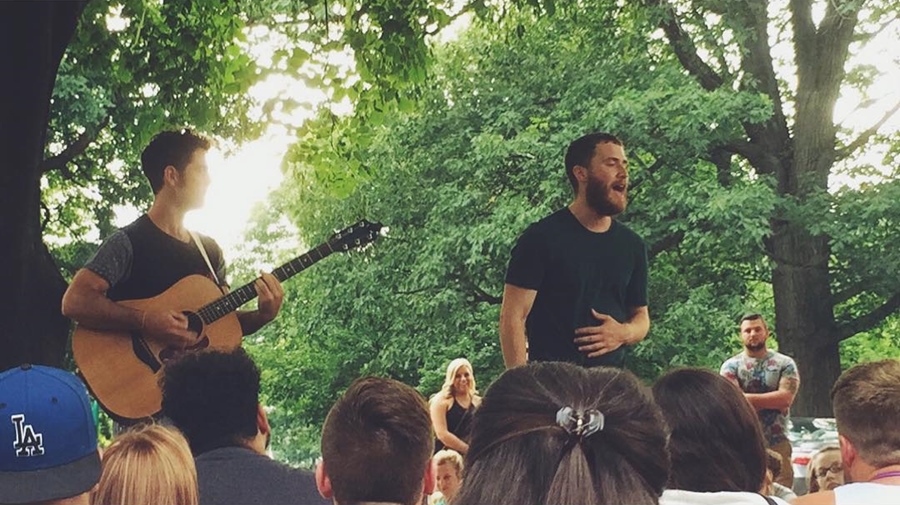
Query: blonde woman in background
[(151, 465), (453, 406), (448, 468)]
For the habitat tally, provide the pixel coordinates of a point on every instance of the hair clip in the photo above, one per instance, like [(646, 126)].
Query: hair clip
[(582, 424)]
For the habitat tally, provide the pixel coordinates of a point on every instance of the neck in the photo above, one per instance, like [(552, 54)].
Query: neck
[(169, 219), (588, 217), (886, 475)]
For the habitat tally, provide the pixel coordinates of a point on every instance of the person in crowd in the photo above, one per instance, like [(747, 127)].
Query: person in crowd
[(377, 445), (770, 382), (448, 468), (48, 437), (825, 471), (576, 284), (213, 398), (555, 433), (773, 470), (149, 465), (148, 256), (717, 447), (452, 408), (866, 402)]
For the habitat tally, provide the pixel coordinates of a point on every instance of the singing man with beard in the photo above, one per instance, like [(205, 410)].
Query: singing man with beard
[(769, 381), (577, 280)]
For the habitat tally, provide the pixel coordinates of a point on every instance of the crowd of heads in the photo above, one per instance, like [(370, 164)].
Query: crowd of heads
[(544, 433)]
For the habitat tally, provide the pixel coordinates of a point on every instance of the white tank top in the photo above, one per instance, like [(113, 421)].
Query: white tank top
[(866, 493)]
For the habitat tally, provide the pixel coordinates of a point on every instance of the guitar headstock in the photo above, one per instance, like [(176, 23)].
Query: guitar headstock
[(356, 236)]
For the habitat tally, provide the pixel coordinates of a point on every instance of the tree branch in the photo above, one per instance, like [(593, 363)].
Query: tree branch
[(846, 294), (849, 149), (684, 47), (76, 148), (870, 320), (664, 244)]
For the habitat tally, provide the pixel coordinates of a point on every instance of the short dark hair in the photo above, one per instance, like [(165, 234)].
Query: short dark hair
[(581, 150), (212, 397), (516, 438), (717, 443), (377, 443), (866, 400), (170, 148), (753, 317)]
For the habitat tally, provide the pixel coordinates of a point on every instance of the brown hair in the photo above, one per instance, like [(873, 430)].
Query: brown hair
[(377, 443), (516, 439), (150, 465), (581, 150), (173, 148), (717, 442), (866, 400), (812, 477)]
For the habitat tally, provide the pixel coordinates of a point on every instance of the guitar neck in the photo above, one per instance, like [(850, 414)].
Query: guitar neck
[(230, 302)]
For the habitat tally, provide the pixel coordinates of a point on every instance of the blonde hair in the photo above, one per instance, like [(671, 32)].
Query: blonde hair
[(151, 465), (451, 458), (452, 368)]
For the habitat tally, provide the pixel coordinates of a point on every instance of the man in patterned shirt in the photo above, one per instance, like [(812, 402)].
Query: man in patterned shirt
[(769, 381)]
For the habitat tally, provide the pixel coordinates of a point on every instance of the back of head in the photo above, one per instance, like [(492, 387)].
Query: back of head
[(48, 438), (212, 397), (716, 440), (581, 150), (377, 443), (555, 433), (170, 148), (150, 465), (866, 401)]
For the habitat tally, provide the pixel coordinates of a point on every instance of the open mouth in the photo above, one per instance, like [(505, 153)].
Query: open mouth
[(620, 187)]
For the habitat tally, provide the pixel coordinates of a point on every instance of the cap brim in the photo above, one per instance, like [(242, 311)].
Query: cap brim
[(64, 481)]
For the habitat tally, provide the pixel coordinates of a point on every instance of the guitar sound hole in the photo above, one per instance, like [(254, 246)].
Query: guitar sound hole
[(195, 324)]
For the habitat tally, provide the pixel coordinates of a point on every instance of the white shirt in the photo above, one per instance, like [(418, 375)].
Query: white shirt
[(681, 497), (866, 493)]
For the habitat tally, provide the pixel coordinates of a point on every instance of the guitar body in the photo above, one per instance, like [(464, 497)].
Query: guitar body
[(122, 369)]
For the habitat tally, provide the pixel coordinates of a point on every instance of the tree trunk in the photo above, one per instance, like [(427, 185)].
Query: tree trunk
[(34, 37), (804, 317)]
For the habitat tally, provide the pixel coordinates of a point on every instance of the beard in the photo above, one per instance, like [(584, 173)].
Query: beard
[(755, 347), (599, 198)]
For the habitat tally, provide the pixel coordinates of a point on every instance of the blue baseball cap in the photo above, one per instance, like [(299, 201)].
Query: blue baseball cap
[(48, 438)]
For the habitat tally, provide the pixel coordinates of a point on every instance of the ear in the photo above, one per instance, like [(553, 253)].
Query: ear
[(580, 172), (170, 175), (262, 421), (428, 479), (848, 453), (323, 483)]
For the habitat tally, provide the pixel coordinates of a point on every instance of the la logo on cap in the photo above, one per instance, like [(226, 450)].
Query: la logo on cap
[(27, 443)]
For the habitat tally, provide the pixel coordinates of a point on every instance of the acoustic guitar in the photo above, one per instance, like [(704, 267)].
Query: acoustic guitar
[(122, 368)]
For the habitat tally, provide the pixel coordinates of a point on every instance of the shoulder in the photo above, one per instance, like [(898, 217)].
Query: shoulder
[(627, 233), (820, 498), (783, 360)]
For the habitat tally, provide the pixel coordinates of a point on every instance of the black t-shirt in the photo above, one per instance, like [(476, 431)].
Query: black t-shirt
[(141, 261), (574, 270)]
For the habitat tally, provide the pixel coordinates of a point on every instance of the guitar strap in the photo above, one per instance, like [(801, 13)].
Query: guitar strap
[(205, 257)]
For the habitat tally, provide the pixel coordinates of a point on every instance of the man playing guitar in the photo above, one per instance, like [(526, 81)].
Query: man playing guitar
[(148, 256)]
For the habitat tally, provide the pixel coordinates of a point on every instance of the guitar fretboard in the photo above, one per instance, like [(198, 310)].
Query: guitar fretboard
[(229, 303)]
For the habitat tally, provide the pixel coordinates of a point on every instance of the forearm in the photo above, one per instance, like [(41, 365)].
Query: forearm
[(512, 341), (453, 442), (774, 400), (251, 321), (94, 310), (637, 326)]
